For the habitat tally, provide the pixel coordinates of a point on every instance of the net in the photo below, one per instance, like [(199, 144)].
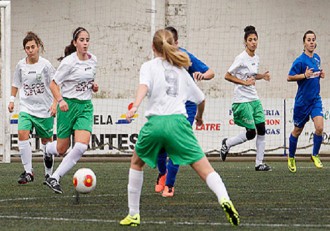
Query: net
[(121, 33)]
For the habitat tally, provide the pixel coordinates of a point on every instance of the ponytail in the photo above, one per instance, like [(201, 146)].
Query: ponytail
[(163, 42)]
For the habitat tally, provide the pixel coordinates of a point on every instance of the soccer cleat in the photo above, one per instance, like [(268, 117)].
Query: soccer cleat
[(292, 164), (131, 220), (160, 184), (263, 168), (230, 211), (168, 191), (54, 185), (25, 178), (224, 150), (317, 161)]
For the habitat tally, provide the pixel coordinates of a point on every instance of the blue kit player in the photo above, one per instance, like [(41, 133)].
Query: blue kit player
[(306, 70), (167, 173)]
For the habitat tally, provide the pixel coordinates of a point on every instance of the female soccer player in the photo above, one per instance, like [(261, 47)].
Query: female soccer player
[(247, 108), (32, 76), (168, 86), (306, 70), (167, 173), (75, 76)]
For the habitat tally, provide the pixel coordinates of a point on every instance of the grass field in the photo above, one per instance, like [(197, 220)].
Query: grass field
[(277, 200)]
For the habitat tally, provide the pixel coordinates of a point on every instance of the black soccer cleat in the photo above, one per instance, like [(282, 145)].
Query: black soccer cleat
[(25, 178)]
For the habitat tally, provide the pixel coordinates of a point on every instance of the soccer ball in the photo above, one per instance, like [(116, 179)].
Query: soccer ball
[(84, 180)]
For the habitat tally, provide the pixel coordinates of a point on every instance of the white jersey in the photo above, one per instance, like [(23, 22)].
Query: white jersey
[(76, 77), (243, 67), (33, 81), (169, 87)]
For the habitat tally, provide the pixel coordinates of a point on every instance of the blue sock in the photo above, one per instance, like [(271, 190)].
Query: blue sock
[(292, 146), (161, 163), (172, 170), (317, 140)]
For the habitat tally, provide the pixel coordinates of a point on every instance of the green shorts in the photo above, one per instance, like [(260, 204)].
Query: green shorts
[(78, 117), (42, 126), (248, 114), (174, 134)]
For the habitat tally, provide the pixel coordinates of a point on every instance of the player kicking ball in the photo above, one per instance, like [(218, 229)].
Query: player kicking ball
[(168, 86)]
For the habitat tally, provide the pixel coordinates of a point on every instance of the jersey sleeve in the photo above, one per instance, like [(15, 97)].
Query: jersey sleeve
[(17, 80), (62, 72), (49, 73), (235, 66), (196, 65), (145, 75), (296, 68), (193, 92)]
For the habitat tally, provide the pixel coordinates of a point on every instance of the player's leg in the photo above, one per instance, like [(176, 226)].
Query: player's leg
[(317, 140), (162, 168), (146, 150), (173, 169), (243, 116), (44, 130), (134, 188), (24, 128), (215, 183), (183, 148), (300, 117), (82, 138), (260, 144)]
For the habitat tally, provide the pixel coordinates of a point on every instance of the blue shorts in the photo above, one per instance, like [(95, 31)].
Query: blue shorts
[(301, 114)]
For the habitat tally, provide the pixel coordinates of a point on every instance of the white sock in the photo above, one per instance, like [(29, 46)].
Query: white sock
[(134, 187), (26, 155), (70, 160), (260, 143), (214, 181), (51, 148), (240, 138)]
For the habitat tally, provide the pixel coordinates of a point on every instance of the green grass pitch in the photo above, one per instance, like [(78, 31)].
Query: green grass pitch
[(277, 200)]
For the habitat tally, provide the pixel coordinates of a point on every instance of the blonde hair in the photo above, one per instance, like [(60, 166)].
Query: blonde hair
[(163, 43)]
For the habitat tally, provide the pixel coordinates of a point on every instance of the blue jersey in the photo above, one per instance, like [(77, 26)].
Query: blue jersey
[(308, 89), (196, 66)]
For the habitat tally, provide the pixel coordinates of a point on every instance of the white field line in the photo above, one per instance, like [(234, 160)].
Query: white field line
[(162, 222), (12, 217)]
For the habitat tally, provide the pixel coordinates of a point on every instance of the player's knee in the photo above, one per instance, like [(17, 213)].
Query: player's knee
[(261, 129), (319, 130), (250, 134)]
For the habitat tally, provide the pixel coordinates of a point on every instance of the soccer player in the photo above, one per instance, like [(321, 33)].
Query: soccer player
[(247, 108), (168, 86), (306, 70), (32, 77), (167, 173), (75, 76)]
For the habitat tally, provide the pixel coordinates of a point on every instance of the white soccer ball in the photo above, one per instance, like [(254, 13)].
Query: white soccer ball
[(84, 180)]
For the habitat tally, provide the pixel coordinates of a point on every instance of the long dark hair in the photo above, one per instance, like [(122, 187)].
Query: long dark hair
[(71, 48)]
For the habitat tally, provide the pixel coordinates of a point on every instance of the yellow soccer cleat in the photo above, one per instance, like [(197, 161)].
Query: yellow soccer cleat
[(292, 164), (131, 220), (231, 213), (317, 161)]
